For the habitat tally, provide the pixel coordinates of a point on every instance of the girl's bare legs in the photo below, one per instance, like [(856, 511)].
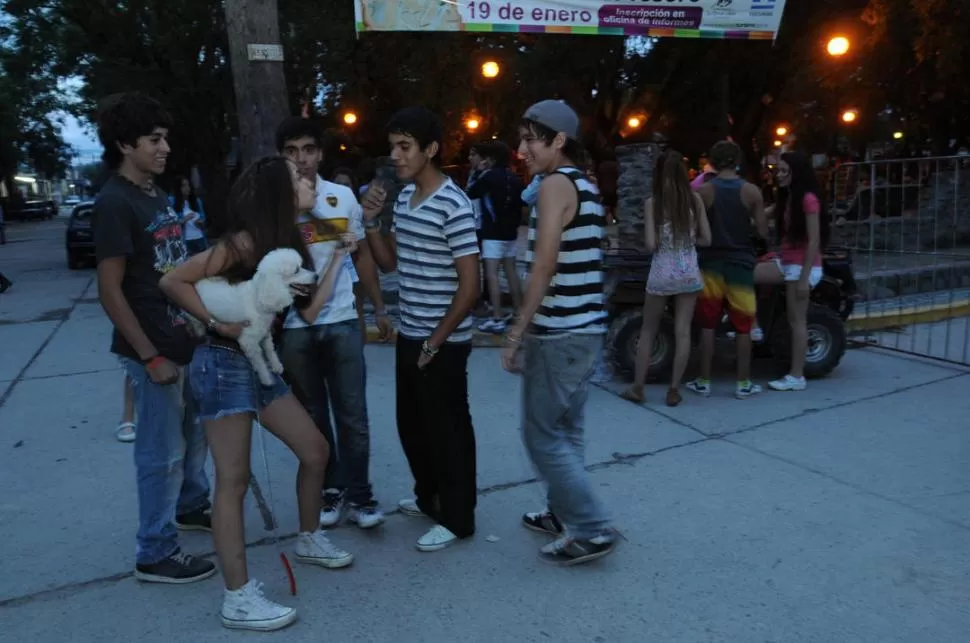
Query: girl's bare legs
[(653, 308), (126, 428), (288, 420), (229, 442), (797, 318), (683, 317), (512, 276), (128, 413), (494, 288)]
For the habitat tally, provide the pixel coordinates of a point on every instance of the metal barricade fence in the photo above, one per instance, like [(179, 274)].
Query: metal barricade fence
[(907, 223)]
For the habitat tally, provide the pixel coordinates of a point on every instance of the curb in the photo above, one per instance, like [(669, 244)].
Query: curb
[(908, 316), (866, 322)]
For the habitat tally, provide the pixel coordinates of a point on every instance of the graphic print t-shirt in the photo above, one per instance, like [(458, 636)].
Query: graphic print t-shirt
[(146, 231), (335, 213)]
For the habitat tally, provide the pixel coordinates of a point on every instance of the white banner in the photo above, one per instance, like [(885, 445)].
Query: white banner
[(744, 19)]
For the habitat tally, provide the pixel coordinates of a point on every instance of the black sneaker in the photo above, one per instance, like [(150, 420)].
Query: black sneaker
[(177, 569), (571, 551), (544, 522), (200, 520)]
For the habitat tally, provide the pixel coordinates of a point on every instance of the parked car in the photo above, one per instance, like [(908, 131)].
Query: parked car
[(79, 238), (25, 210)]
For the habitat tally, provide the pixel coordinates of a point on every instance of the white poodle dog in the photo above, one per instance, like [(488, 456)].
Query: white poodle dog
[(257, 301)]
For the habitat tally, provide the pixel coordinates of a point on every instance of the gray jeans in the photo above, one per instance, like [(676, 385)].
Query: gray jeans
[(554, 392), (325, 367)]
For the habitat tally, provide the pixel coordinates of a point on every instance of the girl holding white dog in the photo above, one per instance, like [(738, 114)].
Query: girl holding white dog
[(263, 208)]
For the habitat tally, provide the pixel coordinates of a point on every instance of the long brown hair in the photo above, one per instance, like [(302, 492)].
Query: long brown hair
[(673, 199), (262, 204)]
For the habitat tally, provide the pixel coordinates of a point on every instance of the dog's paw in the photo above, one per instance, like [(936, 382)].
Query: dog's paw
[(276, 367)]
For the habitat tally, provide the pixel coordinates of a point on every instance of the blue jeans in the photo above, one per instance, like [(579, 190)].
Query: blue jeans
[(555, 388), (170, 452), (325, 366)]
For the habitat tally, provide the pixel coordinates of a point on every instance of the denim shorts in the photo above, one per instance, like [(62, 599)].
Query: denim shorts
[(224, 383)]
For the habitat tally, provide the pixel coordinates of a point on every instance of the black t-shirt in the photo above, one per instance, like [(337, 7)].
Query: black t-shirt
[(500, 192), (145, 230)]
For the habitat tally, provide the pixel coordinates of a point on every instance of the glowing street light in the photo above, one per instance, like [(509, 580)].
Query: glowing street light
[(350, 118), (778, 143), (838, 46), (781, 131), (491, 69), (472, 124), (850, 116), (898, 136), (634, 122)]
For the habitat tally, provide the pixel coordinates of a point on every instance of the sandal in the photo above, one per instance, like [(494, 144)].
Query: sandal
[(673, 397), (125, 432), (634, 394)]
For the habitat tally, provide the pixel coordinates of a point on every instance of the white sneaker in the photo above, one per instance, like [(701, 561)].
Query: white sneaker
[(316, 549), (366, 516), (409, 507), (248, 609), (789, 383), (437, 538)]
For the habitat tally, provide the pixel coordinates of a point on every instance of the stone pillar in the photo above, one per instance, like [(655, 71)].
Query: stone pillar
[(633, 189)]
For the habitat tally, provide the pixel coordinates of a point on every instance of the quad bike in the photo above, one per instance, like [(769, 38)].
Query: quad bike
[(832, 302)]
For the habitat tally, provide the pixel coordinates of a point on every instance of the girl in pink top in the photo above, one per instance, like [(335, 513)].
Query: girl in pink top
[(803, 231)]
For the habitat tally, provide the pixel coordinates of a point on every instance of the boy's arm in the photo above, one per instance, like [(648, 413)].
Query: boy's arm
[(113, 245)]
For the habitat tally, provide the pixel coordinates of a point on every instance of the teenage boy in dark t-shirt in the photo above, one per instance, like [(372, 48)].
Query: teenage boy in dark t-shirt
[(138, 238)]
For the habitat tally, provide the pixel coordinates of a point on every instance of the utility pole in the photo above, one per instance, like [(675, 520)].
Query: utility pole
[(256, 57)]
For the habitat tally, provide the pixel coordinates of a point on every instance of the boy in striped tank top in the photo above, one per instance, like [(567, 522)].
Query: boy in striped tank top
[(564, 314)]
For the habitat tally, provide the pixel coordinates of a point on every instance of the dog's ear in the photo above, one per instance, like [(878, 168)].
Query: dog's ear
[(271, 291)]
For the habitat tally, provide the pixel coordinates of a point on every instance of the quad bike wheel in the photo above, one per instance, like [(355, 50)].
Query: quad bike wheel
[(826, 342), (625, 340)]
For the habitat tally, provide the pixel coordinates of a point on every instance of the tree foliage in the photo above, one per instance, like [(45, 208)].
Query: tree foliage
[(29, 129), (911, 56)]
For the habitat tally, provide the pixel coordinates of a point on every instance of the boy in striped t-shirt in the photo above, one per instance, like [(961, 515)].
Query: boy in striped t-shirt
[(564, 311), (434, 248)]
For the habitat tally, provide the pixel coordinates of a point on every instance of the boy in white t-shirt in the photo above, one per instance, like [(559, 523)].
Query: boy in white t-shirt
[(324, 357)]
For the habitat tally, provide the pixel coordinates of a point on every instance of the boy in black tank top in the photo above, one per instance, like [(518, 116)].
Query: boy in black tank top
[(727, 266)]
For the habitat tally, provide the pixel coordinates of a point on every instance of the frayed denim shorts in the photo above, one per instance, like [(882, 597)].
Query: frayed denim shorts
[(224, 383)]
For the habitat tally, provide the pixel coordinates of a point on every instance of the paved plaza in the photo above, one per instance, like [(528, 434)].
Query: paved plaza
[(841, 514)]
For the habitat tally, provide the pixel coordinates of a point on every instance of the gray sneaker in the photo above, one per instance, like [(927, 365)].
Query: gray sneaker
[(699, 386), (746, 390)]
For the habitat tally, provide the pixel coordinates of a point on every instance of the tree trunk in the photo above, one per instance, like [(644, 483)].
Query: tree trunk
[(260, 86)]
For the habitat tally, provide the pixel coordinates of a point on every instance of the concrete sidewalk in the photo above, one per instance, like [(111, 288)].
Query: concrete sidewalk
[(837, 514)]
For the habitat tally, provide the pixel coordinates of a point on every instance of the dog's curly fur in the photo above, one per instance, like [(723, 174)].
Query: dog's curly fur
[(257, 301)]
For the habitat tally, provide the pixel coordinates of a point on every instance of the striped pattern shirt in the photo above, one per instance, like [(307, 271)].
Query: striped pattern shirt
[(576, 300), (430, 236)]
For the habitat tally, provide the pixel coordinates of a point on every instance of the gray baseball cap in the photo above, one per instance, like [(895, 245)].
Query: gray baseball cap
[(556, 115)]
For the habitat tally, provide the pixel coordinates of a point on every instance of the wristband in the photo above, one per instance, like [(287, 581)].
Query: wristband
[(374, 225), (380, 313), (428, 350), (211, 324), (155, 362)]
